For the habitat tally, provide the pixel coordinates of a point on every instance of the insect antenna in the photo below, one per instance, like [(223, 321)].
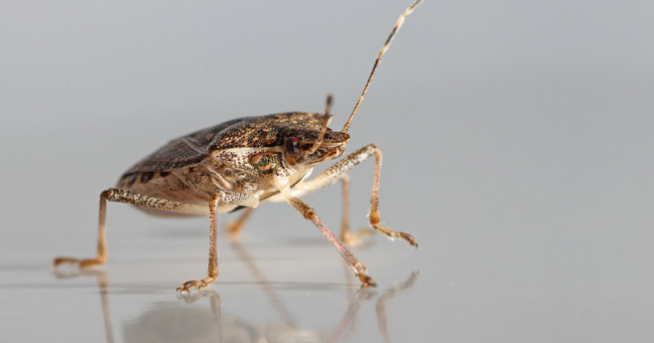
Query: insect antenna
[(328, 118), (328, 103), (381, 53)]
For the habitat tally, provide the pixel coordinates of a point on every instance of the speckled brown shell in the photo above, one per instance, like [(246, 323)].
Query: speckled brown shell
[(259, 131)]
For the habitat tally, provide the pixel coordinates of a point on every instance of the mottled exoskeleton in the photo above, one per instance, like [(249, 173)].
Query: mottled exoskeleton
[(243, 162)]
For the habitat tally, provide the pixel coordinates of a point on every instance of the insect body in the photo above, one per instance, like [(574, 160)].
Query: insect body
[(243, 162), (250, 156)]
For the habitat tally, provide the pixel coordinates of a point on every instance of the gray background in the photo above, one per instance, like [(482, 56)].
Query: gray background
[(517, 139)]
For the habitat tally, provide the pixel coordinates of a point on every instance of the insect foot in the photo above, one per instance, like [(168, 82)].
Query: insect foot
[(90, 262), (354, 238), (391, 234), (187, 286), (394, 234), (366, 281), (65, 267)]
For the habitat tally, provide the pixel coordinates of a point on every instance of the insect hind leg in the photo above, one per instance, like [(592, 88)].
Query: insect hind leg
[(120, 195), (101, 253)]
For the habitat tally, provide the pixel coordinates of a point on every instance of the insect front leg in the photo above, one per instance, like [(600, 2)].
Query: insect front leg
[(119, 195), (309, 213), (336, 172), (218, 198)]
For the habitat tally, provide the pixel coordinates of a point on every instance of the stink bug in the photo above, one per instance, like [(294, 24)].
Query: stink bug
[(243, 162)]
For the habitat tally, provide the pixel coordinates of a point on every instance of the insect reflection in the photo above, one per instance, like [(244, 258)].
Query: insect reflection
[(184, 321)]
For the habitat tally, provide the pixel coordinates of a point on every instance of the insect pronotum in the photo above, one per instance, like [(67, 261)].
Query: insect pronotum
[(243, 162)]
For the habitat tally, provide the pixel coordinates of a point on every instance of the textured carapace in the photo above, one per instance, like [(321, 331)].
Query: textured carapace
[(242, 155), (248, 132)]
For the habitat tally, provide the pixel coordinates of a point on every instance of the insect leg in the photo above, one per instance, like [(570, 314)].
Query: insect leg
[(119, 195), (336, 172), (234, 228), (217, 198), (309, 213), (347, 236)]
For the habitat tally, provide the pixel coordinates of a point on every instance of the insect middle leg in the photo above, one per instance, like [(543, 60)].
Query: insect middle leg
[(217, 198), (234, 227), (347, 236), (337, 172)]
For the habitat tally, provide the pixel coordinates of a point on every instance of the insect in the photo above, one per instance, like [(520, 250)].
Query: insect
[(243, 162)]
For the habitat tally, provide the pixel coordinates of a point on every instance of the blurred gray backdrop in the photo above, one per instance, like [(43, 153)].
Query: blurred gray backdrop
[(517, 140)]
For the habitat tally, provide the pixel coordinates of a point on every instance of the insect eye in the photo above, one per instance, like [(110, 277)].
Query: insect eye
[(292, 146)]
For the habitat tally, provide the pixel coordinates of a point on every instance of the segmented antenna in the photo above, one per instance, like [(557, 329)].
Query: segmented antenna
[(381, 53), (328, 118)]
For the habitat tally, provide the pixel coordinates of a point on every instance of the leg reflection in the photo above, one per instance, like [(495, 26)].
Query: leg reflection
[(268, 289), (348, 325), (103, 288), (388, 294), (176, 321), (216, 312), (349, 319), (103, 284)]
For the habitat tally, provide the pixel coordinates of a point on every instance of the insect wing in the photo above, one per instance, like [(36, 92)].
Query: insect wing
[(182, 152)]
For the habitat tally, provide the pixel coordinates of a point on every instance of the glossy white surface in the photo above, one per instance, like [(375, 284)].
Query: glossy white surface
[(517, 140)]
